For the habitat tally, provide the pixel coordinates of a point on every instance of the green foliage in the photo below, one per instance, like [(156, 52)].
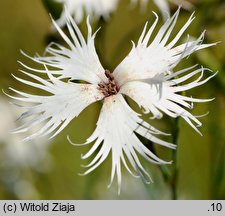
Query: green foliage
[(200, 160)]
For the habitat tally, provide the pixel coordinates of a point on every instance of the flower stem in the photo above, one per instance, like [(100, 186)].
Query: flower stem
[(170, 178), (165, 172), (173, 182), (163, 169)]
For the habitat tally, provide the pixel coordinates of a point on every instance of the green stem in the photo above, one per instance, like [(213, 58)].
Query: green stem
[(174, 158), (162, 168), (165, 172)]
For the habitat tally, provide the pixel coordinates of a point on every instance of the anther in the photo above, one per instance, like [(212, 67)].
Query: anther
[(109, 88)]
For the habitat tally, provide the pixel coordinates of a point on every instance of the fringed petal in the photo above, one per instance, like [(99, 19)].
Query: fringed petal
[(78, 61), (158, 57), (67, 100), (156, 96), (115, 133)]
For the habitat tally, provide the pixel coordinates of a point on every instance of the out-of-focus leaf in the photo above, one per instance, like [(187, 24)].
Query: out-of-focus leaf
[(209, 60)]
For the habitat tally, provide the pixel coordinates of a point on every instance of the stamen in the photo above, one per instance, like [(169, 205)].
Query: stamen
[(109, 88)]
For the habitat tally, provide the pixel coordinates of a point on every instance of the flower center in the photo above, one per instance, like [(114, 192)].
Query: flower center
[(109, 88)]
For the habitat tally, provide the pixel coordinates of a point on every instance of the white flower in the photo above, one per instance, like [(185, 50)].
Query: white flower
[(17, 158), (145, 75), (163, 5), (79, 8), (15, 153)]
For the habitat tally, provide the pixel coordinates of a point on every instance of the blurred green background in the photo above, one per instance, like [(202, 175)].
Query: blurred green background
[(48, 170)]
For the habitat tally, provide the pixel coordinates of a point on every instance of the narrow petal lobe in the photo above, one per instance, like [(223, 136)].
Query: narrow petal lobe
[(115, 133)]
